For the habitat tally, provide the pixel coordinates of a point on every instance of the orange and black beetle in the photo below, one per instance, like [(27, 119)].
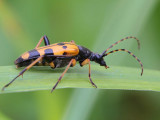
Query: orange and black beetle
[(64, 54)]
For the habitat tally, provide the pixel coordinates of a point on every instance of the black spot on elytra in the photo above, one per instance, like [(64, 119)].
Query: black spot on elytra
[(64, 47), (33, 54), (19, 60), (65, 53), (60, 43), (48, 52)]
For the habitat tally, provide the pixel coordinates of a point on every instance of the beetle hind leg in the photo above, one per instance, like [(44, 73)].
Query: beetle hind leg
[(46, 41), (22, 72)]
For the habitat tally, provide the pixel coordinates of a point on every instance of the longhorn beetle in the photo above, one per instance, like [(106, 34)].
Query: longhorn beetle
[(65, 54)]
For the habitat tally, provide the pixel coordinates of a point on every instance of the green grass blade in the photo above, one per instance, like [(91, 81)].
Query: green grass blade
[(87, 98), (43, 78), (3, 117)]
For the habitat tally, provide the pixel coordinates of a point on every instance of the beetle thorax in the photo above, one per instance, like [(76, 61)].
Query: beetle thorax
[(85, 53)]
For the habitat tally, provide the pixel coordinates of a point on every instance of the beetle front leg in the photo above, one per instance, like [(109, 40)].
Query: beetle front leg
[(46, 41), (89, 75), (87, 61)]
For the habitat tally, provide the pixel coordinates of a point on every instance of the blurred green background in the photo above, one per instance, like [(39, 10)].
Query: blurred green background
[(93, 24)]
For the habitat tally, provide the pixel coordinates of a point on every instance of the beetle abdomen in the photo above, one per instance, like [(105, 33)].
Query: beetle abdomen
[(27, 57), (59, 62)]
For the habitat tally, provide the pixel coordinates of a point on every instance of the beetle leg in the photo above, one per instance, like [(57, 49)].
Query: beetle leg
[(72, 41), (90, 75), (46, 41), (52, 65), (22, 72), (87, 61), (70, 63), (73, 63)]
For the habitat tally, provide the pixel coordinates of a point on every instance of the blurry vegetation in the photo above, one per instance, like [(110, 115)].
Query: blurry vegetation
[(93, 24)]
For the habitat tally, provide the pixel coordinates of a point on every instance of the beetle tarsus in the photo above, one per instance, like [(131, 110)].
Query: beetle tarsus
[(94, 85), (106, 66), (10, 82)]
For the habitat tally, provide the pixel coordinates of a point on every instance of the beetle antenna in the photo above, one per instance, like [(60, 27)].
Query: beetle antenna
[(127, 52), (121, 41)]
